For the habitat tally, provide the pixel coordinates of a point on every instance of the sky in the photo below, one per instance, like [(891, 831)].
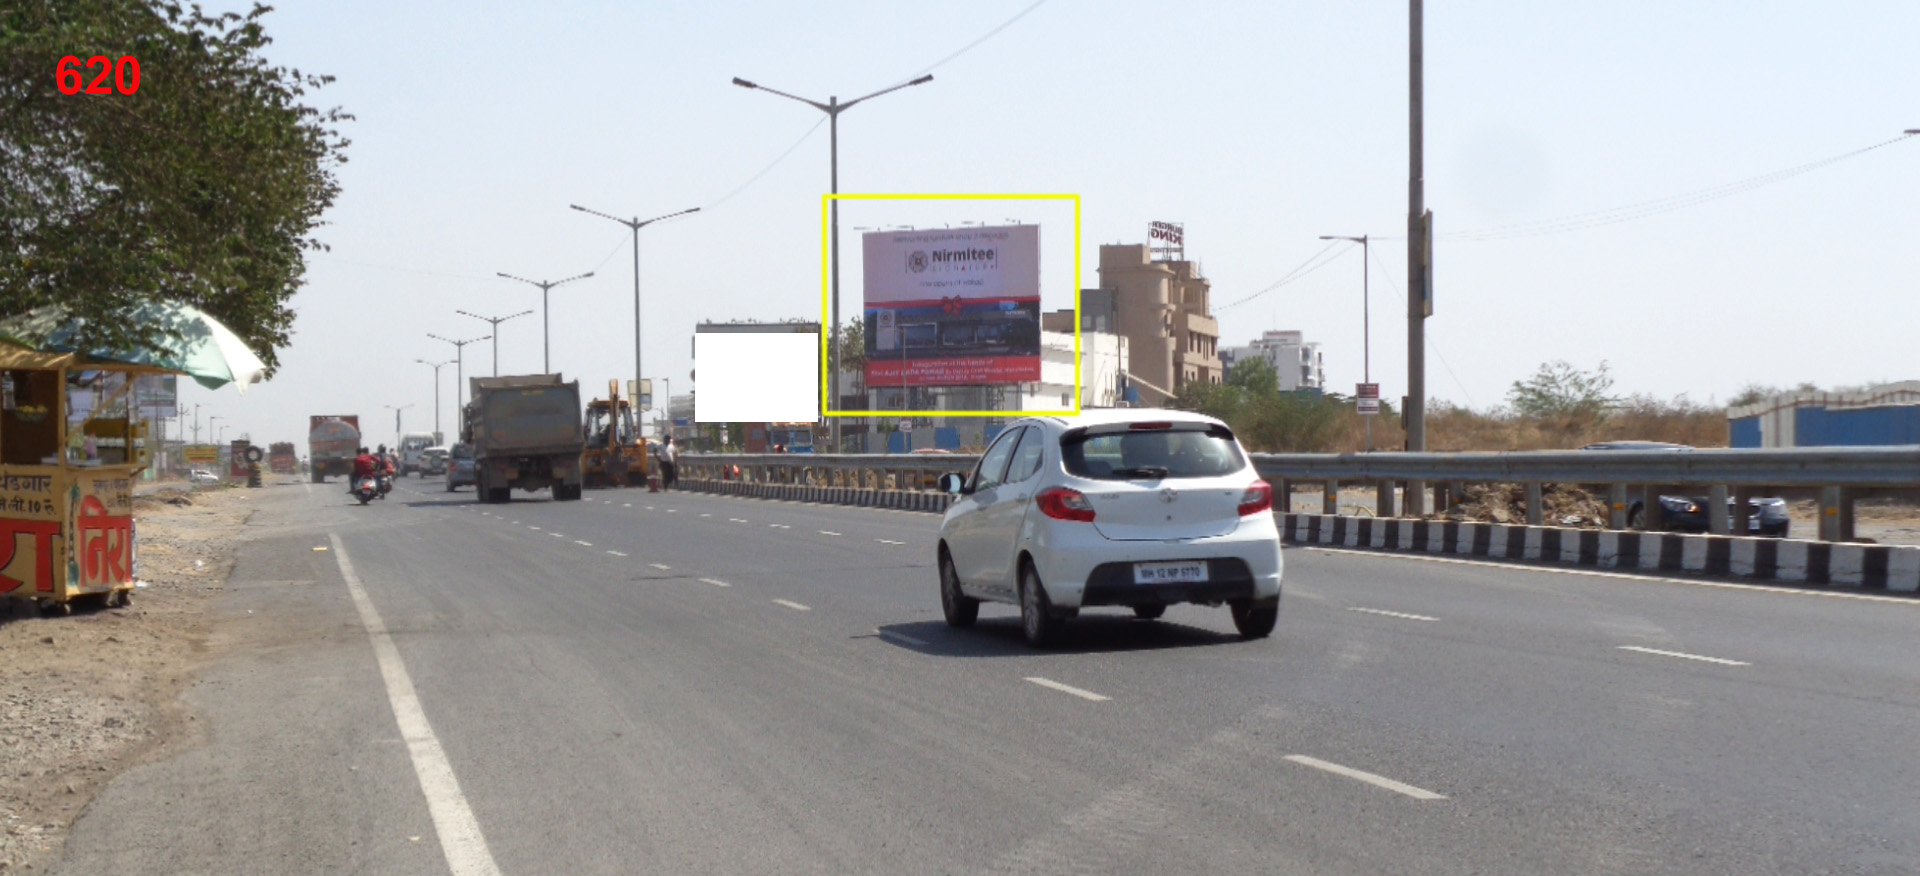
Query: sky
[(1259, 125)]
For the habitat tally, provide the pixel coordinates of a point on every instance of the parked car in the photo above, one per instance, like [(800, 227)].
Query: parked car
[(1136, 508), (433, 461), (202, 476), (460, 467), (1689, 513)]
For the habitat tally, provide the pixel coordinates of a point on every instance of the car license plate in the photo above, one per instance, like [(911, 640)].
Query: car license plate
[(1170, 573)]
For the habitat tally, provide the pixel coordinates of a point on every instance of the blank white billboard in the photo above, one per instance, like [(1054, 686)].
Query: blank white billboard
[(756, 378)]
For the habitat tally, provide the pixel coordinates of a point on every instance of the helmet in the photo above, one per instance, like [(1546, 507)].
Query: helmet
[(383, 448)]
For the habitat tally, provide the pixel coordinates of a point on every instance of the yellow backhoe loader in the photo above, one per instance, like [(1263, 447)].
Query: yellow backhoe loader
[(616, 454)]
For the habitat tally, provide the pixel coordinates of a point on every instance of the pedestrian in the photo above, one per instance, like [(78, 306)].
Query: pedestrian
[(669, 471)]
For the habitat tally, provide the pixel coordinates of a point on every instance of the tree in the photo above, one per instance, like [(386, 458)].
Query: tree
[(202, 187), (853, 352), (1563, 399)]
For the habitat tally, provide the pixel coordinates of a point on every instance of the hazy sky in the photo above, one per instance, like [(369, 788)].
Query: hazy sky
[(1260, 125)]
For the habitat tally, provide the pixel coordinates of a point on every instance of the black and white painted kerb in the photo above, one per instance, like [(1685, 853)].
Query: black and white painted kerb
[(899, 500), (1868, 567)]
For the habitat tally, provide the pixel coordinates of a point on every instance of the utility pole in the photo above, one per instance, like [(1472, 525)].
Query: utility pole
[(1418, 247)]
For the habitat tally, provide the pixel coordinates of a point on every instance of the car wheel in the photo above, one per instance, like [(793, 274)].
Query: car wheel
[(961, 610), (1037, 622), (1254, 621), (1149, 612)]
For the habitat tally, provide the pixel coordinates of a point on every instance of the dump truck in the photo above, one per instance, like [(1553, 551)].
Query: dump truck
[(281, 458), (526, 434), (332, 443), (616, 455)]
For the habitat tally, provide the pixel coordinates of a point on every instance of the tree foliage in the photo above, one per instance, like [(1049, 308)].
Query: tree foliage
[(1266, 419), (203, 187)]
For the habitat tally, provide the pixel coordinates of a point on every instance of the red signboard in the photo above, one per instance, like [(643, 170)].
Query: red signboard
[(959, 371)]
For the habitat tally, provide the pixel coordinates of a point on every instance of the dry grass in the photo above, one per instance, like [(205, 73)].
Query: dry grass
[(1460, 429)]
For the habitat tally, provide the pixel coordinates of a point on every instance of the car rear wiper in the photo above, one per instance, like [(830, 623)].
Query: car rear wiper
[(1149, 472)]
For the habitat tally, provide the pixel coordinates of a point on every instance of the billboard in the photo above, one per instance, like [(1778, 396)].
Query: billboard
[(952, 307)]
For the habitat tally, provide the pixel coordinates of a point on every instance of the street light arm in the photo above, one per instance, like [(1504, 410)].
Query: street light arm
[(920, 81), (521, 279), (572, 278), (829, 110), (668, 216), (627, 222)]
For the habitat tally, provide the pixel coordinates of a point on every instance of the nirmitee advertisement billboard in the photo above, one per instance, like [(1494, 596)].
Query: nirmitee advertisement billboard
[(952, 307)]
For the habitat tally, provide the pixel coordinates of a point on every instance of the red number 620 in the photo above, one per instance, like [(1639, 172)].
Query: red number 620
[(125, 74)]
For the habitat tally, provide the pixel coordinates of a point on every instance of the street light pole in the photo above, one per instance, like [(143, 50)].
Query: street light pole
[(459, 365), (436, 394), (546, 327), (833, 108), (1417, 256), (495, 321), (398, 432), (635, 224), (1366, 318)]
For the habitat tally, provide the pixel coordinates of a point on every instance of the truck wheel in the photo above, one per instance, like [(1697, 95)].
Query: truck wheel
[(500, 496), (319, 478)]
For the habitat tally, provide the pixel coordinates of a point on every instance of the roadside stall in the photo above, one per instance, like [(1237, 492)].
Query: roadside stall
[(72, 444), (70, 449)]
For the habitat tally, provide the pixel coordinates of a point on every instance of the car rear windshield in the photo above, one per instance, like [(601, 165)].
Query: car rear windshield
[(1152, 455)]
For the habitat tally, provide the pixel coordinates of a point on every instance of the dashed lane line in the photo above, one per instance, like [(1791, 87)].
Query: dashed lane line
[(1399, 614), (1377, 781), (1050, 684), (616, 553), (888, 541), (735, 520), (661, 566), (901, 637), (583, 543), (778, 526), (715, 582), (1684, 656), (791, 604), (834, 534)]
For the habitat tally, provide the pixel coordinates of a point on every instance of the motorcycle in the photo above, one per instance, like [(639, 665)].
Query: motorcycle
[(384, 483), (366, 489)]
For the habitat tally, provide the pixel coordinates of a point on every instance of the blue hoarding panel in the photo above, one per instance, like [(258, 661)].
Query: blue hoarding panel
[(946, 437), (899, 442), (1743, 432)]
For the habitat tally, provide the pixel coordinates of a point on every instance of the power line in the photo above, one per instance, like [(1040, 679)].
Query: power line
[(1305, 268), (770, 165), (1656, 206), (1388, 275), (987, 36)]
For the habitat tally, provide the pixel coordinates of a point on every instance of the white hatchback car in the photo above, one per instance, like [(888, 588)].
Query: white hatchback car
[(1137, 508)]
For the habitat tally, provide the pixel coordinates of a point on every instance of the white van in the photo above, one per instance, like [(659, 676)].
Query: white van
[(412, 446)]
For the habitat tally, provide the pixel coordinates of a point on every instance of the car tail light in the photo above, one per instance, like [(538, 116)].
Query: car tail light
[(1061, 503), (1258, 499)]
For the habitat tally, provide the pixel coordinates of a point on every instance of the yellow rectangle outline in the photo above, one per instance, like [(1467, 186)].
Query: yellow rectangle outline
[(826, 296)]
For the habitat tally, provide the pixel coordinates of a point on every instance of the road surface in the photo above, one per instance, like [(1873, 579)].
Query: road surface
[(676, 683)]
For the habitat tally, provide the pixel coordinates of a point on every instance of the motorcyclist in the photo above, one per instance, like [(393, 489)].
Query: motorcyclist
[(388, 467), (363, 467)]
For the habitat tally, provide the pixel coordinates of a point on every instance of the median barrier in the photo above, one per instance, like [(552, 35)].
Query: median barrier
[(1890, 568), (864, 497)]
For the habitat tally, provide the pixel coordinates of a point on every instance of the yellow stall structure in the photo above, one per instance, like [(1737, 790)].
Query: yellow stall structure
[(71, 447)]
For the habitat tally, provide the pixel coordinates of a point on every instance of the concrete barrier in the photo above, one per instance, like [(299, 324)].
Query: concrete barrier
[(1891, 568), (864, 497)]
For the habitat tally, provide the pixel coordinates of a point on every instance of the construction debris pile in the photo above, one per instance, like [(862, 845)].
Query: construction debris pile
[(1565, 505)]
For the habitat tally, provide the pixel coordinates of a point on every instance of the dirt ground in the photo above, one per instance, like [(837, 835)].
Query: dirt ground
[(86, 696)]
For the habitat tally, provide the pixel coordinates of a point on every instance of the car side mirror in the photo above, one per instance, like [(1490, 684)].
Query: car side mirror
[(952, 483)]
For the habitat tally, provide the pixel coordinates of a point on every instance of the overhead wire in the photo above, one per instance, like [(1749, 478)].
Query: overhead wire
[(1388, 276), (976, 43), (1313, 263)]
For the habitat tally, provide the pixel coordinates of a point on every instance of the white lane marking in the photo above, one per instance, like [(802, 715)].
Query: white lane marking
[(779, 526), (532, 527), (649, 507), (583, 543), (1369, 778), (461, 842), (889, 634), (308, 486), (514, 522), (1399, 614), (706, 515), (1064, 688), (1684, 656), (735, 520), (626, 504), (558, 534), (1785, 588), (793, 605), (616, 553), (715, 582), (824, 532), (672, 510), (661, 566), (888, 541)]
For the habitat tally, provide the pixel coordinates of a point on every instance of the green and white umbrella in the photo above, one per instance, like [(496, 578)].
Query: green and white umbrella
[(199, 346)]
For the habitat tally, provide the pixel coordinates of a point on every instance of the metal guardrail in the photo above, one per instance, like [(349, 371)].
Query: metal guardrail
[(1839, 474)]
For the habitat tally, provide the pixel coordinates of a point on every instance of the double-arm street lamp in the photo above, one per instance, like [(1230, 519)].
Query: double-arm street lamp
[(1366, 317), (546, 327), (833, 108), (398, 433), (636, 223), (495, 321), (459, 365), (436, 393)]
